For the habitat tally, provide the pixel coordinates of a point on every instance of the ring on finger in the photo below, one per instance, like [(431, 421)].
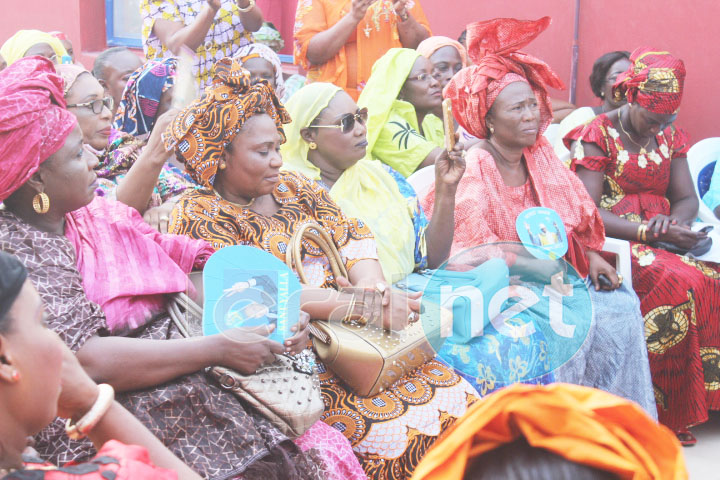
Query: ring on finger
[(620, 279), (413, 317)]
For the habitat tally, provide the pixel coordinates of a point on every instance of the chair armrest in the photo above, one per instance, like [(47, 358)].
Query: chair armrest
[(621, 249)]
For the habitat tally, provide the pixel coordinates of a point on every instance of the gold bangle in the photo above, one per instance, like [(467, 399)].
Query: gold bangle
[(641, 236), (106, 396), (250, 6)]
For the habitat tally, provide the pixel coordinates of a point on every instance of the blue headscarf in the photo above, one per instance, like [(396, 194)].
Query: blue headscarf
[(138, 108)]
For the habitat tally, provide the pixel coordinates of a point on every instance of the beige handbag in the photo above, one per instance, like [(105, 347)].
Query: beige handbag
[(363, 354), (286, 392)]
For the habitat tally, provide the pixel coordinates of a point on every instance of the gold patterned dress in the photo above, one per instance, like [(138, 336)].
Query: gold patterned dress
[(390, 432), (679, 296)]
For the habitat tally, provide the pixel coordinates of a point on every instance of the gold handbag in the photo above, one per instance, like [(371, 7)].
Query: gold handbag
[(363, 354), (286, 392)]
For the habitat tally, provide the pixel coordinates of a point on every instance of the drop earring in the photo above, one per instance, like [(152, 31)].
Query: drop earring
[(313, 146), (492, 130)]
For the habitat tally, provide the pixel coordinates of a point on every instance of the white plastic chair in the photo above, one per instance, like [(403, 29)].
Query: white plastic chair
[(700, 156), (424, 178)]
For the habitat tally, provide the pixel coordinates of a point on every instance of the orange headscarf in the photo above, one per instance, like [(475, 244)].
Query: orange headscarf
[(583, 425), (376, 34), (432, 44)]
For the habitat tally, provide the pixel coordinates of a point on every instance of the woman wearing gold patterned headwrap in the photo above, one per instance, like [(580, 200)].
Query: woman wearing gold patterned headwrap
[(230, 141)]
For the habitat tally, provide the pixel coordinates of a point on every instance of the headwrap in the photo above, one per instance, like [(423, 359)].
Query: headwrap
[(17, 46), (69, 74), (493, 47), (387, 79), (12, 278), (59, 35), (654, 80), (33, 120), (270, 36), (259, 50), (201, 132), (432, 44), (138, 107), (365, 190), (583, 425)]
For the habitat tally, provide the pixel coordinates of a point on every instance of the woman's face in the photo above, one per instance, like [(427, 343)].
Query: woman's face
[(44, 50), (615, 69), (35, 352), (515, 116), (96, 127), (253, 160), (69, 49), (260, 69), (446, 62), (648, 124), (68, 176), (342, 150), (423, 93)]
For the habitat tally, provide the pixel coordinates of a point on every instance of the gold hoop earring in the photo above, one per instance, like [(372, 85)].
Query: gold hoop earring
[(313, 146), (41, 203)]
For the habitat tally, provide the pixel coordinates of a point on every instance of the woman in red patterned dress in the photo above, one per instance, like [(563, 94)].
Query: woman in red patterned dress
[(633, 163)]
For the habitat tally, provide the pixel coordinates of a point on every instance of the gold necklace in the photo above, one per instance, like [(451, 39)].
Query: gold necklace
[(233, 203), (643, 149)]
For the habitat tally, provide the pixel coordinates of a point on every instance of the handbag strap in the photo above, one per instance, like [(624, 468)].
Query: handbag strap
[(293, 255), (180, 307)]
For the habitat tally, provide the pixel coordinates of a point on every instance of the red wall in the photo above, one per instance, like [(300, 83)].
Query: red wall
[(686, 29)]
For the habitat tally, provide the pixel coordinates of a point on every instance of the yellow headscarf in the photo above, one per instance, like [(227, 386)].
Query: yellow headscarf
[(365, 190), (17, 46)]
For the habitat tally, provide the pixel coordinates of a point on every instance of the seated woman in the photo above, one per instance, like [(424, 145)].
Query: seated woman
[(263, 64), (40, 379), (76, 244), (503, 100), (400, 97), (446, 55), (525, 432), (113, 68), (230, 142), (339, 41), (27, 43), (131, 169), (604, 73), (633, 163)]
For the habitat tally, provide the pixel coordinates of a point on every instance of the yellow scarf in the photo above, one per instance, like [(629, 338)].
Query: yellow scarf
[(365, 190), (17, 46)]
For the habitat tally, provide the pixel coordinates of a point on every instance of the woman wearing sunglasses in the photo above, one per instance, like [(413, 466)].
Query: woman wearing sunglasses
[(401, 95), (131, 169), (327, 142)]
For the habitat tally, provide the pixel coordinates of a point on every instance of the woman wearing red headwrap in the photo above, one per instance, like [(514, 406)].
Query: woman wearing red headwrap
[(633, 163), (503, 100)]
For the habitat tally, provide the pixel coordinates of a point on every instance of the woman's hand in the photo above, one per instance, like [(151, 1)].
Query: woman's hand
[(598, 266), (679, 235), (155, 145), (403, 308), (298, 342), (659, 225), (449, 168), (247, 349), (159, 217), (400, 7), (359, 9), (78, 391)]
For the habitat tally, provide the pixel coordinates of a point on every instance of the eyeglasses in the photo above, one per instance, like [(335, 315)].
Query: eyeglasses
[(423, 77), (347, 122), (96, 105)]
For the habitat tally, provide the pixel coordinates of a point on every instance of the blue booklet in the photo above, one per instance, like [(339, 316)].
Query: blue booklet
[(248, 287)]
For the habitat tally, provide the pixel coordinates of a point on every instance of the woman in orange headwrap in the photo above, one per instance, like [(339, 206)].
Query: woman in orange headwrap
[(633, 163), (554, 431), (338, 41), (503, 100)]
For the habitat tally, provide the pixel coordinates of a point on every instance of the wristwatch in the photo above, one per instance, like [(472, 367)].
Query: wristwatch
[(251, 5)]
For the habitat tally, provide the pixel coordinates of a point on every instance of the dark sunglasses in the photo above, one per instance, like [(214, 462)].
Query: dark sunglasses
[(96, 105), (347, 122)]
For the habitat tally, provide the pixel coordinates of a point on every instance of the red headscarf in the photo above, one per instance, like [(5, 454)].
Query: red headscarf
[(654, 80), (33, 120), (493, 48)]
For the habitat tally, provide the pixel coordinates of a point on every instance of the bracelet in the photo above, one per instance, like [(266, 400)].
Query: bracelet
[(106, 396), (642, 233), (250, 6)]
